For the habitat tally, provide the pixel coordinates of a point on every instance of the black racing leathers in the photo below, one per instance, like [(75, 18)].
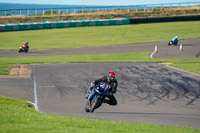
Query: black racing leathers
[(113, 85)]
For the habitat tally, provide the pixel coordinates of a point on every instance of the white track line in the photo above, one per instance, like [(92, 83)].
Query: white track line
[(183, 70), (152, 54), (35, 91), (174, 67)]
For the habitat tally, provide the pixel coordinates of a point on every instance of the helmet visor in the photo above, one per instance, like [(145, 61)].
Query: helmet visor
[(112, 78)]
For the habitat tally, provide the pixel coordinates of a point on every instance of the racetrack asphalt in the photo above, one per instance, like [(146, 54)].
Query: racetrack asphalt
[(191, 49), (147, 92)]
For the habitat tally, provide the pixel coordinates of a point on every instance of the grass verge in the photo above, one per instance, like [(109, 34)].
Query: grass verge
[(19, 116), (184, 64), (99, 36)]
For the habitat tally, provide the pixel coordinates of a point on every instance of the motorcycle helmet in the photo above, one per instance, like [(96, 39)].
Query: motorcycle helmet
[(111, 76)]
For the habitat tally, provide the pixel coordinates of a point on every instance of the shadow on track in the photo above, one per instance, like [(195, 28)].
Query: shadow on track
[(146, 84)]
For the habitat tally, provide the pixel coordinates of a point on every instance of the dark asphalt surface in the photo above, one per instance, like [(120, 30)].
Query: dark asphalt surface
[(191, 49), (147, 92)]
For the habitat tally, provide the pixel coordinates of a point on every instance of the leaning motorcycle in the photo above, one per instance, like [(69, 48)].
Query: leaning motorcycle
[(175, 42), (97, 96), (22, 49)]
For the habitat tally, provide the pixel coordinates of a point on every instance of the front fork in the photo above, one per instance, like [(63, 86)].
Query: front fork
[(91, 95)]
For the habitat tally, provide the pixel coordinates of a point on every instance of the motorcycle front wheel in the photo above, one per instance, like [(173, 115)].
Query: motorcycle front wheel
[(95, 104), (87, 108)]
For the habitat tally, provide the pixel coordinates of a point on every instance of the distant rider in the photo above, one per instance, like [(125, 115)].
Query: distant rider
[(112, 82), (175, 40), (25, 46)]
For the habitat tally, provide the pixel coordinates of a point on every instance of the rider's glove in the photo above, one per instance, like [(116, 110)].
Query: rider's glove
[(92, 84)]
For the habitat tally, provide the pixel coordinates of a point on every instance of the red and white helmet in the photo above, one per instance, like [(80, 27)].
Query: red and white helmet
[(111, 76)]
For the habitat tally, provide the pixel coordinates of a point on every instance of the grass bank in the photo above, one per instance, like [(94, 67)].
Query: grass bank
[(99, 36), (19, 116), (7, 62)]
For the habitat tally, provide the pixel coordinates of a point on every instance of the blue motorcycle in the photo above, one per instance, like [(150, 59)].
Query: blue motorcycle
[(97, 96)]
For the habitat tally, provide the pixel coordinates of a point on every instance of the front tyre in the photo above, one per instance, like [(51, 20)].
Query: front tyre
[(87, 107), (26, 50), (95, 104)]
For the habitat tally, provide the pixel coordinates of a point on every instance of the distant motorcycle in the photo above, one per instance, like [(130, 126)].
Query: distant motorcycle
[(97, 96), (22, 49), (175, 42)]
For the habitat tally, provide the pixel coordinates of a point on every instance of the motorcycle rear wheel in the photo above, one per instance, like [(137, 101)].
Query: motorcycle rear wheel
[(20, 50)]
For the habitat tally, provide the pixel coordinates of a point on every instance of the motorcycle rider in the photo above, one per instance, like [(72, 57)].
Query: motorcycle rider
[(25, 46), (112, 82), (175, 40)]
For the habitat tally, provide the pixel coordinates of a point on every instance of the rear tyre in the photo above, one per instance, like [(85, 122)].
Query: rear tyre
[(20, 51)]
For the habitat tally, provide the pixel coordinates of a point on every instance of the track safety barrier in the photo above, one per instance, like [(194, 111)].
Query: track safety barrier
[(63, 24), (164, 19)]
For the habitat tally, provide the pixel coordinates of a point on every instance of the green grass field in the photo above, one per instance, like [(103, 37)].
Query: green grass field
[(7, 62), (99, 36), (19, 116)]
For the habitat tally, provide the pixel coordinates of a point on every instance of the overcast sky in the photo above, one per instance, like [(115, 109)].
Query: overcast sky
[(95, 2)]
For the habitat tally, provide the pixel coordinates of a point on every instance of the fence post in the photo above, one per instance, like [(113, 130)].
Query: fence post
[(170, 7), (67, 11), (152, 7), (144, 8), (43, 11), (59, 11), (75, 11), (28, 12), (98, 11), (35, 12), (136, 9)]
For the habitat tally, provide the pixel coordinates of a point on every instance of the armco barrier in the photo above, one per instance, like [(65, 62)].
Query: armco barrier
[(63, 24), (164, 19)]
